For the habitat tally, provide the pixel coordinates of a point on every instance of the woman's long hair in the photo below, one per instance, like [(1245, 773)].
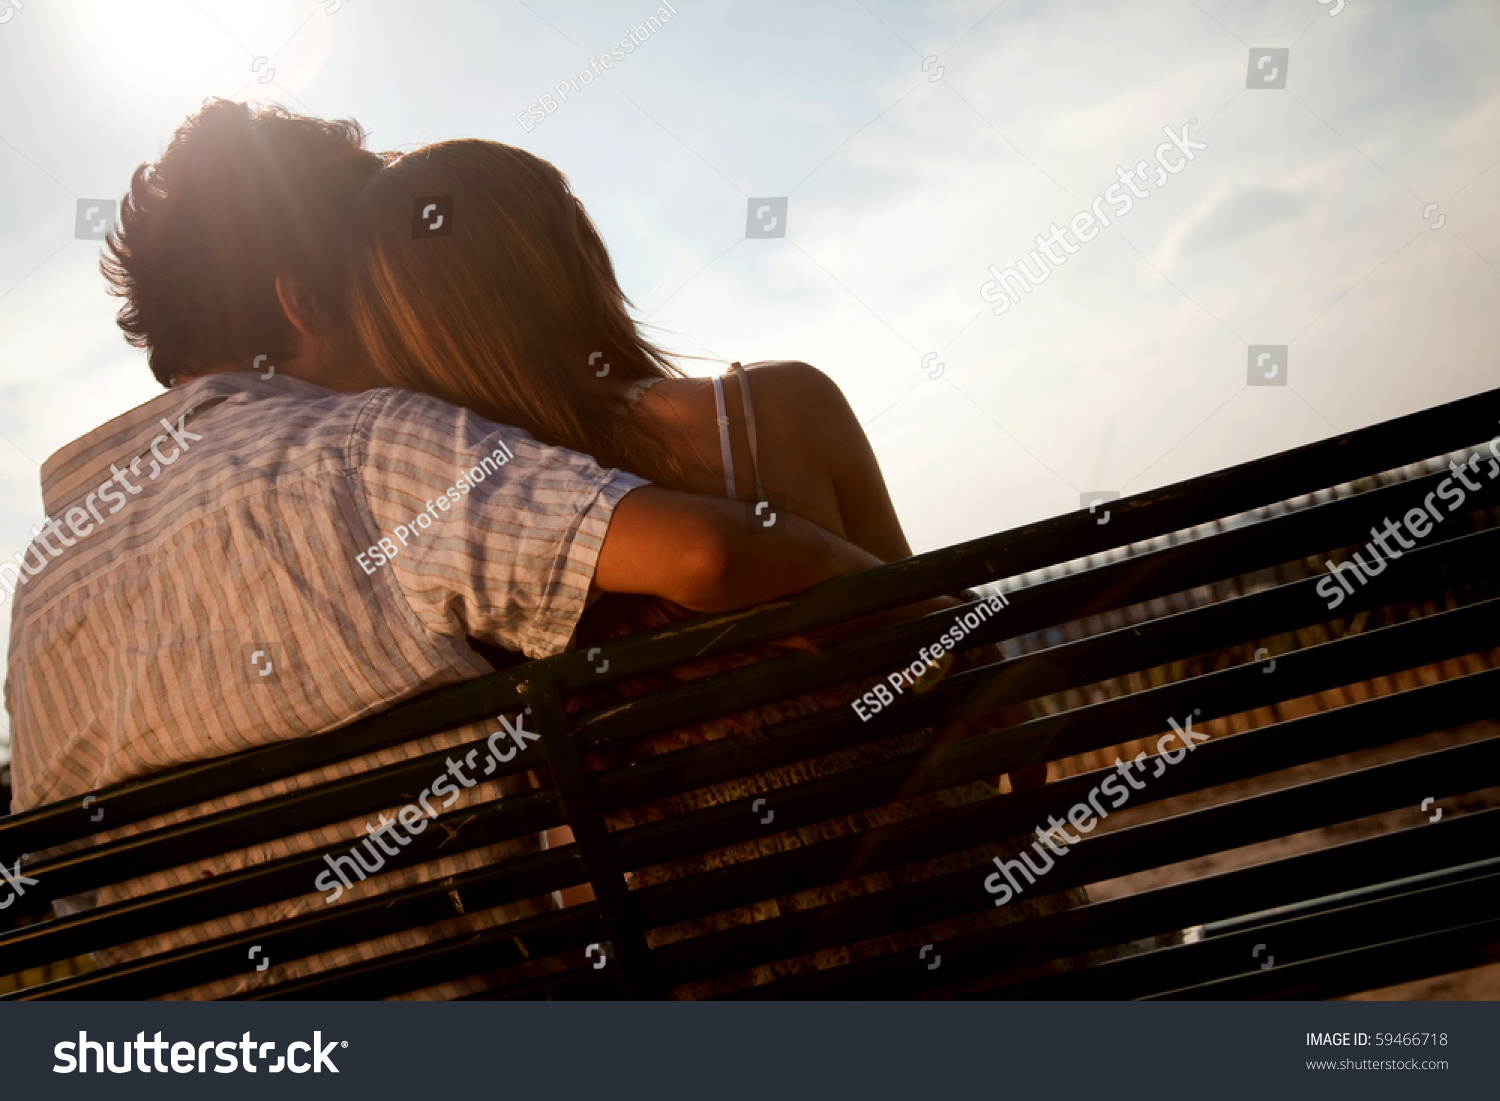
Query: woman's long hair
[(510, 310)]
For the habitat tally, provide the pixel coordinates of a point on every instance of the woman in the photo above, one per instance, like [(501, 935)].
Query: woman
[(516, 314)]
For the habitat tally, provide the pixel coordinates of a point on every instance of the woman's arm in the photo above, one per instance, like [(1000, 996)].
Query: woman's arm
[(869, 518), (698, 552)]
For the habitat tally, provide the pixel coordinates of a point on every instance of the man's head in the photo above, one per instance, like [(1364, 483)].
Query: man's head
[(228, 247)]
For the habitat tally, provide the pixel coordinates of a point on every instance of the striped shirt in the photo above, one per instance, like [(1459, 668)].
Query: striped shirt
[(207, 584)]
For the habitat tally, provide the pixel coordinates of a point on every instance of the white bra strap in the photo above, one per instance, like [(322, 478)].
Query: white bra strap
[(760, 492), (729, 490)]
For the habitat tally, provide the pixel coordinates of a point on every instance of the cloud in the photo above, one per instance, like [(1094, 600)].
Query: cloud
[(1243, 211), (1290, 228)]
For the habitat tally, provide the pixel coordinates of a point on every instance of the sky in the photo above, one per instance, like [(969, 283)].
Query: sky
[(1346, 207)]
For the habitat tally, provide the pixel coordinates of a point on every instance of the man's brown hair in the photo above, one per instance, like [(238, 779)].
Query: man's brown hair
[(240, 196)]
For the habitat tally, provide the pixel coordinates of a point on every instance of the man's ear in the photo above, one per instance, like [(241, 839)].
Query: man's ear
[(299, 305)]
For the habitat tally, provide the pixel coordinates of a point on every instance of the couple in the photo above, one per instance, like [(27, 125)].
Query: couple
[(335, 367)]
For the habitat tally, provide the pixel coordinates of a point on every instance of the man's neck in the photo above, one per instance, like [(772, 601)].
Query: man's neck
[(290, 367)]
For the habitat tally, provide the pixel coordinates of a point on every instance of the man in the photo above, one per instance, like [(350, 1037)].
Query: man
[(263, 552)]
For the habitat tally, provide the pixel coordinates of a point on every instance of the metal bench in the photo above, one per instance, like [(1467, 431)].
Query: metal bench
[(1338, 832)]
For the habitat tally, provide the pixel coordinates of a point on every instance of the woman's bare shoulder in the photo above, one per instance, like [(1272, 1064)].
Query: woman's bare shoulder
[(801, 397), (794, 401), (815, 430), (791, 377)]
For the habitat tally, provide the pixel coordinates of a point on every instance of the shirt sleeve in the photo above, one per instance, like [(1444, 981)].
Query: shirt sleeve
[(494, 534)]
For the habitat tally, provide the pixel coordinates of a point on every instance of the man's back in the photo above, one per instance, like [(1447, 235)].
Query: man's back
[(236, 586)]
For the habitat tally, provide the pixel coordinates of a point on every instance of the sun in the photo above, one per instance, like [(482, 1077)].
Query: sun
[(210, 44)]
